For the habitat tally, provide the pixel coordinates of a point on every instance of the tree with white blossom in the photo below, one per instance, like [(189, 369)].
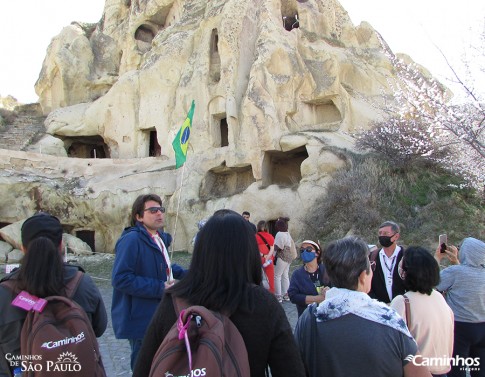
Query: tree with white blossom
[(427, 126)]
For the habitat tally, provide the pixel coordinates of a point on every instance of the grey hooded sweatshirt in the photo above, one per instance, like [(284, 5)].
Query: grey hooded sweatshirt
[(465, 283)]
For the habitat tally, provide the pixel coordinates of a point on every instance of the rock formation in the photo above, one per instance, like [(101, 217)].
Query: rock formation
[(278, 87)]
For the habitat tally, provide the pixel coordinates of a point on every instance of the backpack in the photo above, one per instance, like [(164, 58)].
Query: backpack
[(60, 340), (201, 343), (288, 253)]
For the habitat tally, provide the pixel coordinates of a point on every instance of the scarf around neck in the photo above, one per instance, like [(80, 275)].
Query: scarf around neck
[(340, 301)]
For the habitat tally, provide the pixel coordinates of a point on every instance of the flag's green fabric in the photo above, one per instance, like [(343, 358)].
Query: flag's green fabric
[(181, 140)]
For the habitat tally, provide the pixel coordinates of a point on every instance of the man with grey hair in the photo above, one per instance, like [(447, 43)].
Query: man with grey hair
[(386, 283)]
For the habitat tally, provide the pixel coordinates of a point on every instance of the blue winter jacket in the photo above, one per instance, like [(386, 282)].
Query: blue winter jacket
[(301, 286), (138, 277)]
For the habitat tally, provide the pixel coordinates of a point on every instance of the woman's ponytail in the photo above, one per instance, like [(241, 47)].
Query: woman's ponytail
[(42, 269)]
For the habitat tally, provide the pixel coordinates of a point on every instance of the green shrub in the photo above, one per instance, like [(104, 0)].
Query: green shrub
[(424, 199)]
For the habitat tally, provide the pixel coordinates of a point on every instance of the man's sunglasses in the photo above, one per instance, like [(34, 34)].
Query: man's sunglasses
[(154, 210)]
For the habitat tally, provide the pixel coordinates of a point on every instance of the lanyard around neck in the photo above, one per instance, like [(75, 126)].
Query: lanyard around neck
[(393, 260)]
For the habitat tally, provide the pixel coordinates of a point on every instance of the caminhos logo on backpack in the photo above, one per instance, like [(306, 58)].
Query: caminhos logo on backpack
[(58, 343), (193, 373)]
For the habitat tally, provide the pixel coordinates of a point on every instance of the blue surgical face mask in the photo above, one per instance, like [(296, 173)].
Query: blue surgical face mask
[(308, 256)]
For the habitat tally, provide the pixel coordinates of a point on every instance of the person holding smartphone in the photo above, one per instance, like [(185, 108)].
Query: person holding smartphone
[(463, 284)]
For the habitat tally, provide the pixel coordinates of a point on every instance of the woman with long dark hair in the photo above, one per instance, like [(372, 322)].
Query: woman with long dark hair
[(225, 276), (42, 273), (430, 319)]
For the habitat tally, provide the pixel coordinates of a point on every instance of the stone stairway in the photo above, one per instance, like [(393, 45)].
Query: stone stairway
[(27, 128)]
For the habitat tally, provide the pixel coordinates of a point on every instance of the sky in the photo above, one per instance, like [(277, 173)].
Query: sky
[(414, 27)]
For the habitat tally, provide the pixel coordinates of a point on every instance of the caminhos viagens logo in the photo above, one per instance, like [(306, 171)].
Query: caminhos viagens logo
[(58, 343), (464, 363)]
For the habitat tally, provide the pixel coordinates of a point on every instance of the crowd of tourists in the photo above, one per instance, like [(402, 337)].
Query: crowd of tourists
[(389, 311)]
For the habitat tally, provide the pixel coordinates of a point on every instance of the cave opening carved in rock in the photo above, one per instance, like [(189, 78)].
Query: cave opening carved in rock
[(154, 148), (215, 58), (283, 168), (87, 236), (223, 181), (87, 147)]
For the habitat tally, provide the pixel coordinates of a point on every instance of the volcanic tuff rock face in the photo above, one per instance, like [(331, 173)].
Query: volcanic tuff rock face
[(277, 86)]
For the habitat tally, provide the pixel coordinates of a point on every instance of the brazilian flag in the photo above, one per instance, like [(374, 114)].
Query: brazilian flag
[(181, 141)]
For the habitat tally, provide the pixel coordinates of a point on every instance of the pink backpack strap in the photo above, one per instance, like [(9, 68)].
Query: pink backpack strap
[(182, 326)]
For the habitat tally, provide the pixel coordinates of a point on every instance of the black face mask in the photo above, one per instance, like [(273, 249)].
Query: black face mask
[(385, 241)]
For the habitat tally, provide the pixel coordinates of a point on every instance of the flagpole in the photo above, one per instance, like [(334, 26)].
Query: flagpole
[(180, 145), (177, 211)]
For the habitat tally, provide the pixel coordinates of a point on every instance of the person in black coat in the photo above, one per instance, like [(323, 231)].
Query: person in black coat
[(386, 283), (225, 276)]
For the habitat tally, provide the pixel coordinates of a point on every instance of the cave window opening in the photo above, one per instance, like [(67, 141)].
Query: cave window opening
[(154, 150), (291, 22), (223, 181), (215, 58), (144, 33), (283, 168), (224, 130), (87, 236), (87, 147)]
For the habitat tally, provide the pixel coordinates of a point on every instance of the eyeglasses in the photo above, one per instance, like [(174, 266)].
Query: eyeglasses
[(373, 265), (154, 210), (386, 234), (308, 248)]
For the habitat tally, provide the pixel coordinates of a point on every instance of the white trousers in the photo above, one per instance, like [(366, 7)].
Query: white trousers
[(281, 278)]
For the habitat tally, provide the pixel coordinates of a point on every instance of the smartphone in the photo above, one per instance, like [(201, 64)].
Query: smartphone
[(443, 241)]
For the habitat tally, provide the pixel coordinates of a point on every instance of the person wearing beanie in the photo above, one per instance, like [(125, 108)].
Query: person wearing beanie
[(43, 273), (463, 284), (285, 249)]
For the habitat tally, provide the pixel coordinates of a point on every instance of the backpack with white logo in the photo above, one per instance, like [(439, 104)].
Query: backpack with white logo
[(60, 340), (201, 343)]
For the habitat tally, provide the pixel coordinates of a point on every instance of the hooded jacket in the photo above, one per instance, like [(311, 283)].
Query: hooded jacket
[(464, 284), (12, 319), (138, 278)]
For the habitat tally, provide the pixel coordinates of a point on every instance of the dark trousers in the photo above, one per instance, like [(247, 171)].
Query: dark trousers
[(469, 342), (135, 345)]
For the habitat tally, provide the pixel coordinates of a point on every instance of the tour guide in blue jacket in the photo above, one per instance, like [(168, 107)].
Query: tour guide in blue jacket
[(139, 275)]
